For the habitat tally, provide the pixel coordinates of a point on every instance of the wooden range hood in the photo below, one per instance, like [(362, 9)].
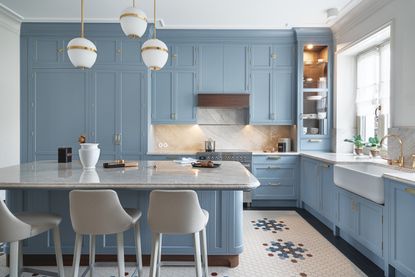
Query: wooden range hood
[(223, 100)]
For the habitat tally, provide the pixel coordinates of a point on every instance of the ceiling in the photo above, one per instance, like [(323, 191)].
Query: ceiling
[(189, 14)]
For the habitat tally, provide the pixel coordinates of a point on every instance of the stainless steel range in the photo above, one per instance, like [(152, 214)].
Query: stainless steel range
[(244, 157)]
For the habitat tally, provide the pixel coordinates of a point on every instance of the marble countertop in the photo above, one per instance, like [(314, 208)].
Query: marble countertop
[(262, 153), (149, 175), (333, 158)]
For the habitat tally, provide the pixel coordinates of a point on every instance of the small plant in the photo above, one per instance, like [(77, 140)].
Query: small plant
[(373, 143), (358, 144)]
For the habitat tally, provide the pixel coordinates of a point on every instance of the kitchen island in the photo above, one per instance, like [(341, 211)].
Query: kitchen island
[(45, 185)]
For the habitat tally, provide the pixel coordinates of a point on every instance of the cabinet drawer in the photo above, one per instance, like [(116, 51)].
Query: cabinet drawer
[(275, 189), (315, 144), (274, 171), (274, 159)]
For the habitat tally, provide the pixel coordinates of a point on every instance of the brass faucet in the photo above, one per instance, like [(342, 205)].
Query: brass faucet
[(400, 160)]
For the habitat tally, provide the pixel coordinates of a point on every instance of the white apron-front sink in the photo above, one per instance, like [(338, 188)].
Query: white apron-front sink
[(364, 179)]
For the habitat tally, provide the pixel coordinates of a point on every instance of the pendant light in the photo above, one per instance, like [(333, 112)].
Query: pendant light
[(81, 51), (133, 22), (154, 52)]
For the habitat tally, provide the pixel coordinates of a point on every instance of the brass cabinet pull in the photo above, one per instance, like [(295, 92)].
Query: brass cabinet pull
[(274, 56), (410, 191), (315, 140), (274, 184), (273, 157), (60, 50), (273, 167), (325, 165)]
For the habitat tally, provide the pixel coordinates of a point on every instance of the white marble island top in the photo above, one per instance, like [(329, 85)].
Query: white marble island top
[(149, 175)]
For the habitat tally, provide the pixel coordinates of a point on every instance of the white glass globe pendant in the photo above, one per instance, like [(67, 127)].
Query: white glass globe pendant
[(81, 51), (133, 22), (154, 52)]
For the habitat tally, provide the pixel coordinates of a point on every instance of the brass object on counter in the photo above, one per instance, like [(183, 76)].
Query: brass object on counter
[(413, 161), (400, 160), (82, 139)]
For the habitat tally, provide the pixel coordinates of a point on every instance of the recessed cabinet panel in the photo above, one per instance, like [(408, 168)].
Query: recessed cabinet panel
[(261, 106), (47, 51), (131, 108), (346, 212), (105, 93), (107, 51), (211, 68), (370, 226), (283, 55), (284, 96), (131, 52), (185, 97), (275, 189), (59, 111), (261, 56), (185, 55), (310, 183), (235, 68), (162, 95)]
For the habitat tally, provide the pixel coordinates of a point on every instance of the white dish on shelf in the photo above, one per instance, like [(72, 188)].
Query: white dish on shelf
[(314, 97)]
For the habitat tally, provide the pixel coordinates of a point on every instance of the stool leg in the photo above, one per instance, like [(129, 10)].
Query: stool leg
[(14, 259), (58, 250), (120, 254), (77, 255), (196, 237), (154, 252), (138, 255), (159, 255), (204, 253), (92, 240), (20, 258)]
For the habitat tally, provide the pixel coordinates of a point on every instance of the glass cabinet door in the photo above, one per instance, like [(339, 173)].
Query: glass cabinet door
[(315, 90)]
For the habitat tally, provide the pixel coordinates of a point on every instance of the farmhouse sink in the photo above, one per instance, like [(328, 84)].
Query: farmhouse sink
[(364, 179)]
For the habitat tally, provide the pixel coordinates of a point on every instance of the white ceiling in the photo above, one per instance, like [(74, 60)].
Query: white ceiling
[(187, 14)]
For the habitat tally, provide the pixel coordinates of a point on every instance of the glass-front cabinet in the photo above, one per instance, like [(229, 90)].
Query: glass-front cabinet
[(314, 90)]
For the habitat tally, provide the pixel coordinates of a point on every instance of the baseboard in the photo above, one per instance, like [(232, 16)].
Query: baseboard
[(274, 203), (49, 260)]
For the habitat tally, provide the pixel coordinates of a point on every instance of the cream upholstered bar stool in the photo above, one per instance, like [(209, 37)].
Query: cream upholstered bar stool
[(99, 212), (177, 213), (14, 228)]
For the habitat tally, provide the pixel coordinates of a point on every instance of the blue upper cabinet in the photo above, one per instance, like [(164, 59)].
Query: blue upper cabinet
[(130, 52), (58, 111), (223, 68), (314, 83), (272, 81), (173, 87), (47, 51)]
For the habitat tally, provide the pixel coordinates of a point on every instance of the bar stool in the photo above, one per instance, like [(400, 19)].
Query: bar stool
[(99, 212), (177, 212), (16, 228)]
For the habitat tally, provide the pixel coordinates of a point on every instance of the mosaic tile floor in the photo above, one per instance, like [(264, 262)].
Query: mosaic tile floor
[(277, 243)]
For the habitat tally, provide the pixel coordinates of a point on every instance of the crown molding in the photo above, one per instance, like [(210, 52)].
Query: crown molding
[(358, 14), (10, 19)]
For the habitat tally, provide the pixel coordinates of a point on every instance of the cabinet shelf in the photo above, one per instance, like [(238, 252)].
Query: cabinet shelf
[(315, 90)]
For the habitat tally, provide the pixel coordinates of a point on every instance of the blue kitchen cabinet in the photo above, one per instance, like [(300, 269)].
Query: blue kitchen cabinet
[(310, 183), (173, 97), (261, 110), (271, 56), (284, 96), (223, 68), (108, 51), (184, 56), (400, 223), (314, 84), (362, 219), (47, 51), (278, 178), (118, 107), (58, 112), (318, 189), (131, 52), (162, 96)]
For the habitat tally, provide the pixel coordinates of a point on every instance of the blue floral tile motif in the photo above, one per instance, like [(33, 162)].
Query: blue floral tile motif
[(266, 224), (287, 250)]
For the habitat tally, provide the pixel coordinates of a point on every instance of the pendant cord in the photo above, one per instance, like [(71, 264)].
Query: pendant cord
[(82, 18), (154, 33)]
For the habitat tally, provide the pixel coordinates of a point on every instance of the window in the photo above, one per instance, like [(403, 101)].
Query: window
[(373, 91)]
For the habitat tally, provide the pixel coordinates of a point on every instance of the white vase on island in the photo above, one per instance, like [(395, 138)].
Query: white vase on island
[(89, 155)]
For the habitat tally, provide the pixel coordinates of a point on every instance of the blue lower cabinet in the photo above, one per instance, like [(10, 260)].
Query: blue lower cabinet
[(224, 229), (310, 183), (278, 177), (400, 203), (361, 219)]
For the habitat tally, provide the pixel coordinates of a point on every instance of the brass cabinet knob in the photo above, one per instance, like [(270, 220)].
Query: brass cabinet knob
[(60, 50), (274, 56)]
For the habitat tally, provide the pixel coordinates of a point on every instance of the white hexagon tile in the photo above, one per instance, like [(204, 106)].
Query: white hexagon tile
[(277, 243)]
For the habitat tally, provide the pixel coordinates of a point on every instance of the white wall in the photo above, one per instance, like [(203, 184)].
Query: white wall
[(368, 17), (9, 90)]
